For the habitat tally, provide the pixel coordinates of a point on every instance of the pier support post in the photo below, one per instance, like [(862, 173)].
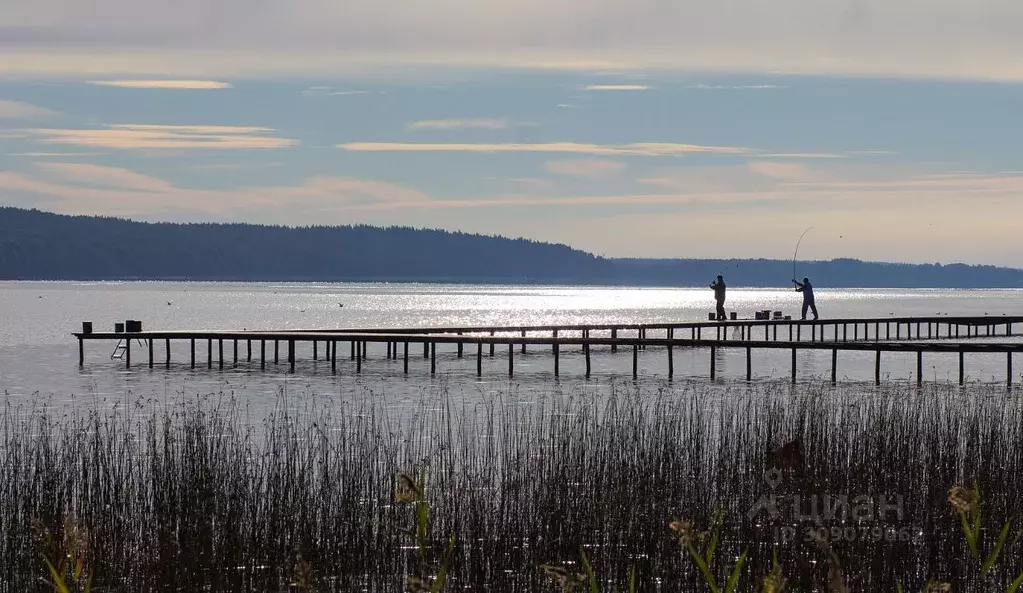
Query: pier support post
[(635, 360), (749, 364), (358, 358), (166, 344), (150, 344), (614, 336), (262, 355), (332, 349), (557, 361), (479, 359), (248, 350), (220, 353), (492, 346), (191, 346), (834, 366), (877, 367), (511, 358), (236, 352), (316, 352), (404, 356), (920, 366), (81, 352), (794, 350), (459, 347), (433, 357), (1008, 370), (713, 363), (127, 353), (586, 352), (277, 358), (209, 353), (554, 347), (962, 367), (523, 342), (365, 347), (671, 363), (426, 349), (291, 355)]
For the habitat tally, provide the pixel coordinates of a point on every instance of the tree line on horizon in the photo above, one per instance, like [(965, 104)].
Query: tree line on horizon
[(37, 245)]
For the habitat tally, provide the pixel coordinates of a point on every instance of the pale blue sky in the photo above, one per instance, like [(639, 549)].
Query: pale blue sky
[(605, 129)]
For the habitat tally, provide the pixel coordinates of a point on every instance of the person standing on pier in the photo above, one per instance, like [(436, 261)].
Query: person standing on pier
[(808, 303), (719, 296)]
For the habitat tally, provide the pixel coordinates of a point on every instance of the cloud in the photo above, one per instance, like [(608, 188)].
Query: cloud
[(587, 168), (329, 91), (635, 149), (164, 84), (54, 154), (455, 124), (736, 87), (203, 39), (20, 110), (117, 191), (234, 166), (799, 172), (114, 177), (150, 136), (616, 87)]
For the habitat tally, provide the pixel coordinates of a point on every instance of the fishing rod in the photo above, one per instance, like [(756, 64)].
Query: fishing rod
[(797, 253)]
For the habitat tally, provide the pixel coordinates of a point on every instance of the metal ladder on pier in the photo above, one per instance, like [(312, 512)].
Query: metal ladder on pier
[(122, 345)]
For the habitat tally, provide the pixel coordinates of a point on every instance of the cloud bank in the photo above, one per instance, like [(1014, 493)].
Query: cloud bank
[(933, 38)]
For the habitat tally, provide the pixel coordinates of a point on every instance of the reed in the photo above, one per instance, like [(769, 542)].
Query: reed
[(196, 497)]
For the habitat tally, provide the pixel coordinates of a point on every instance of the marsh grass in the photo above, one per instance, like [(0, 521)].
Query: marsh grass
[(195, 497)]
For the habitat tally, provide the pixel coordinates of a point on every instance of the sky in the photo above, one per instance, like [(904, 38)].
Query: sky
[(639, 128)]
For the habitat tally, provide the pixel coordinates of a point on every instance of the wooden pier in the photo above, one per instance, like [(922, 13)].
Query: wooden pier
[(932, 335)]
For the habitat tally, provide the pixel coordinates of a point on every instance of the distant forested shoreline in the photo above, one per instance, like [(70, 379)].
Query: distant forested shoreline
[(37, 245)]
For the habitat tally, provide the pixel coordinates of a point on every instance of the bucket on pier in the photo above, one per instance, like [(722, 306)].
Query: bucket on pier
[(778, 314), (133, 326), (86, 327), (759, 315), (733, 316), (712, 316), (118, 328), (788, 318)]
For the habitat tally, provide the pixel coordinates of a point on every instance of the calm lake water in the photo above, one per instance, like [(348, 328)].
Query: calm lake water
[(39, 365)]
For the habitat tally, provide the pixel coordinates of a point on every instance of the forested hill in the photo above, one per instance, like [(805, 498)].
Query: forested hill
[(38, 245)]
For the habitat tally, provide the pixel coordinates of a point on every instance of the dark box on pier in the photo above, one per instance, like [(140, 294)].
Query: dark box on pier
[(132, 326), (86, 327), (118, 328)]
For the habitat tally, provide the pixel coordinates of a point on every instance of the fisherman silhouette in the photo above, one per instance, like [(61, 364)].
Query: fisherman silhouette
[(808, 302), (719, 296)]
